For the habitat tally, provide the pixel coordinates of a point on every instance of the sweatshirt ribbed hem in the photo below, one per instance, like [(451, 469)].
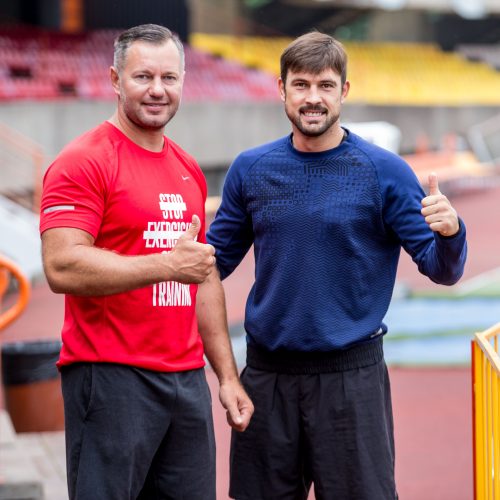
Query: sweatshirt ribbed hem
[(303, 363)]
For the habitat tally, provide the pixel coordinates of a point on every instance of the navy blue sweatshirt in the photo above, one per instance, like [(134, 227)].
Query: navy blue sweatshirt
[(327, 230)]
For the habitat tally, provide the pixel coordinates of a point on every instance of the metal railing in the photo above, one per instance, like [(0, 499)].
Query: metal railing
[(12, 312), (21, 167), (486, 417)]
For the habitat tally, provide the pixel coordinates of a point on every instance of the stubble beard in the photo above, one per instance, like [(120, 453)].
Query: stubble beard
[(147, 122), (311, 130)]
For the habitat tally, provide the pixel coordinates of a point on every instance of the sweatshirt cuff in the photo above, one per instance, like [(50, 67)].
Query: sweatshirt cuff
[(458, 235)]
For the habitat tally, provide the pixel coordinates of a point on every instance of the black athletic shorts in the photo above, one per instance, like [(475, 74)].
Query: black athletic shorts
[(333, 430), (137, 434)]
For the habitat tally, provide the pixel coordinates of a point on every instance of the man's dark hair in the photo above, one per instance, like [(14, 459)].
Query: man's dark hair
[(150, 33), (313, 53)]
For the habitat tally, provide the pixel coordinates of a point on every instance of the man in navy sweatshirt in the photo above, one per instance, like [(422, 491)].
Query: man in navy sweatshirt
[(327, 213)]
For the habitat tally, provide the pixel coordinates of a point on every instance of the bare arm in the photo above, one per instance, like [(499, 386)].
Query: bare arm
[(74, 265), (212, 323)]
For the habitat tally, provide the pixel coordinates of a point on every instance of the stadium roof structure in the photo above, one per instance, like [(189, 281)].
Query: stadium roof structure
[(470, 9)]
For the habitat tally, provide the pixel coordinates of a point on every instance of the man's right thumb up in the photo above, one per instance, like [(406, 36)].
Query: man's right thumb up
[(194, 228)]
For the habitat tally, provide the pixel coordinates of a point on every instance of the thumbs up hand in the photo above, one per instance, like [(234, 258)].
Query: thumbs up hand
[(190, 261), (433, 184), (437, 210), (193, 230)]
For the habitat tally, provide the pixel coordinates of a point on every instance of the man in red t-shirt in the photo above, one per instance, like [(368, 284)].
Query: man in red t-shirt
[(123, 236)]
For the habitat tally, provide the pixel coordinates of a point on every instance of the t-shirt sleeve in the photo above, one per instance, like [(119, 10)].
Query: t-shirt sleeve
[(74, 193)]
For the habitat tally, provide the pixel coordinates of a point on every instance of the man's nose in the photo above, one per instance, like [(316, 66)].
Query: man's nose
[(313, 95), (156, 87)]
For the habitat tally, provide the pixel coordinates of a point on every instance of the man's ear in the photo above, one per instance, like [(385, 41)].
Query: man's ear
[(115, 79), (281, 88), (345, 90)]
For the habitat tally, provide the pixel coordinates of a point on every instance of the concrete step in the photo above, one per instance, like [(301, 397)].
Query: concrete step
[(31, 464)]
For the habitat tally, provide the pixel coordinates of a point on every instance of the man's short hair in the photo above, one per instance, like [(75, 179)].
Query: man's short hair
[(150, 33), (313, 53)]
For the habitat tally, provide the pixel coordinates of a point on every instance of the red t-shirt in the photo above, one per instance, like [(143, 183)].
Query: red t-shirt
[(134, 202)]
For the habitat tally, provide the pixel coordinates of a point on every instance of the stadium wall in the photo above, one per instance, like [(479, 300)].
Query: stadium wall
[(214, 132), (216, 16)]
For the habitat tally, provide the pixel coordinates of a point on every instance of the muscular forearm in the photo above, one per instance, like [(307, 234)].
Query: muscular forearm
[(212, 324), (74, 265), (94, 271)]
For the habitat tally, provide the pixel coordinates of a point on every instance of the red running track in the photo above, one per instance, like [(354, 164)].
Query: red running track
[(432, 413), (432, 407)]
